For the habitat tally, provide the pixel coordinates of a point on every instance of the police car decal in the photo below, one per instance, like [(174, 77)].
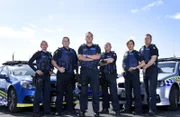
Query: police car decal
[(3, 99), (171, 80)]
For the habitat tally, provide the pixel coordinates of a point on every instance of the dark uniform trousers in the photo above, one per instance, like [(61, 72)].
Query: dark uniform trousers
[(110, 80), (150, 80), (132, 80), (64, 85), (89, 76), (42, 89)]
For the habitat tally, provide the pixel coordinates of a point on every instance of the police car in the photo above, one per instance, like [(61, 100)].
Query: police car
[(168, 84), (16, 88)]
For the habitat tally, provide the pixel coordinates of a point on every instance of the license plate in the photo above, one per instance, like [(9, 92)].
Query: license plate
[(123, 94)]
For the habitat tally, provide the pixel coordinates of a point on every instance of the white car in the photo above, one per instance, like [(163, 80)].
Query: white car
[(168, 85)]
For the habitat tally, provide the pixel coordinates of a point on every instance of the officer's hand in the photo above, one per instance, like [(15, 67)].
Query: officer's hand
[(123, 73), (39, 72), (61, 69), (110, 60), (51, 72), (132, 68), (144, 70)]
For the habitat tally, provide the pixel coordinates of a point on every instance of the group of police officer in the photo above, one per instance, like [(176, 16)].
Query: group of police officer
[(89, 57)]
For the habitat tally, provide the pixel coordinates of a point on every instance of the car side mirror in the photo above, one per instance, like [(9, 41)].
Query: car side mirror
[(3, 76)]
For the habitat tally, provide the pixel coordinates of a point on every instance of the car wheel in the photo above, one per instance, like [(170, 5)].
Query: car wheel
[(12, 101), (174, 98)]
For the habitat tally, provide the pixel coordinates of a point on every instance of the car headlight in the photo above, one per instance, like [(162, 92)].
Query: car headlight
[(161, 83), (27, 85)]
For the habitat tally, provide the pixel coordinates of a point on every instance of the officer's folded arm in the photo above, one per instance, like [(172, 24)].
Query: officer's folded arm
[(84, 58), (151, 62), (142, 64), (53, 62), (94, 57)]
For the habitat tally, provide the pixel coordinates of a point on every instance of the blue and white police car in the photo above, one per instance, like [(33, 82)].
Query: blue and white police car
[(168, 84), (16, 88)]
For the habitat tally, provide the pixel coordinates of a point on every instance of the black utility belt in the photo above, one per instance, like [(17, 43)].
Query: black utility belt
[(110, 72), (88, 68), (66, 72)]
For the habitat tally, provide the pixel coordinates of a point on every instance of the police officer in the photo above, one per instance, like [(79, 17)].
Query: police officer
[(65, 60), (43, 70), (150, 70), (109, 75), (89, 56), (131, 67)]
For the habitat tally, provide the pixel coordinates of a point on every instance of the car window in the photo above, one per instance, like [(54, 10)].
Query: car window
[(166, 67), (22, 70), (179, 69), (5, 71), (1, 69)]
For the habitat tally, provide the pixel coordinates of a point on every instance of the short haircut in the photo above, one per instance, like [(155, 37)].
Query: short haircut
[(43, 41), (108, 43), (149, 36), (130, 41), (66, 38), (89, 33)]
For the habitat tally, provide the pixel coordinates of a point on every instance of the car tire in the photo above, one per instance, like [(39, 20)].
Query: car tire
[(12, 101), (174, 98)]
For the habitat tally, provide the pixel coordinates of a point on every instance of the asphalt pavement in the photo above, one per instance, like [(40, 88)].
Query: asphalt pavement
[(162, 112)]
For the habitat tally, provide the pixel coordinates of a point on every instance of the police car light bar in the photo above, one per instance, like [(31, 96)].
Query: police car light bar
[(169, 59), (15, 62)]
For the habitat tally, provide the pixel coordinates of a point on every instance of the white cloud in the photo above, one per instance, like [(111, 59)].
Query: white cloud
[(132, 37), (28, 30), (11, 33), (50, 17), (60, 29), (158, 17), (176, 16), (33, 26), (47, 30), (134, 10), (149, 6)]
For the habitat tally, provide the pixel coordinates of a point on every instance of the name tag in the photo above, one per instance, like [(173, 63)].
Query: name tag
[(93, 49)]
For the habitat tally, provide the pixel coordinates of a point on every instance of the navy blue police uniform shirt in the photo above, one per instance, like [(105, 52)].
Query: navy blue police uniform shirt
[(37, 56), (132, 59), (148, 52), (98, 49), (58, 54), (112, 66), (92, 50)]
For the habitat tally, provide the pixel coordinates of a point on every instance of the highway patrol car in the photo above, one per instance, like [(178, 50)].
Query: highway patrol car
[(16, 88), (168, 85)]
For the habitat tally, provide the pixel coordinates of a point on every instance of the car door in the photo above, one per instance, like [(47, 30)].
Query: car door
[(3, 80), (3, 86)]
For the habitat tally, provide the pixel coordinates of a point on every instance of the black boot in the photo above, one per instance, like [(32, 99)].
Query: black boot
[(96, 114), (105, 111), (82, 114)]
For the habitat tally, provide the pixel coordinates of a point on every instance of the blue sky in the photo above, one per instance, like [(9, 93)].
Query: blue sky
[(24, 23)]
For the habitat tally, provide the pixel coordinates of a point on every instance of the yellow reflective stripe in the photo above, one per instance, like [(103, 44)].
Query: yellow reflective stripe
[(2, 92), (30, 105), (173, 77), (25, 105), (3, 95)]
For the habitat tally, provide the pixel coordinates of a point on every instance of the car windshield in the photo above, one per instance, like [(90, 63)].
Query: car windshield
[(166, 67), (22, 70)]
